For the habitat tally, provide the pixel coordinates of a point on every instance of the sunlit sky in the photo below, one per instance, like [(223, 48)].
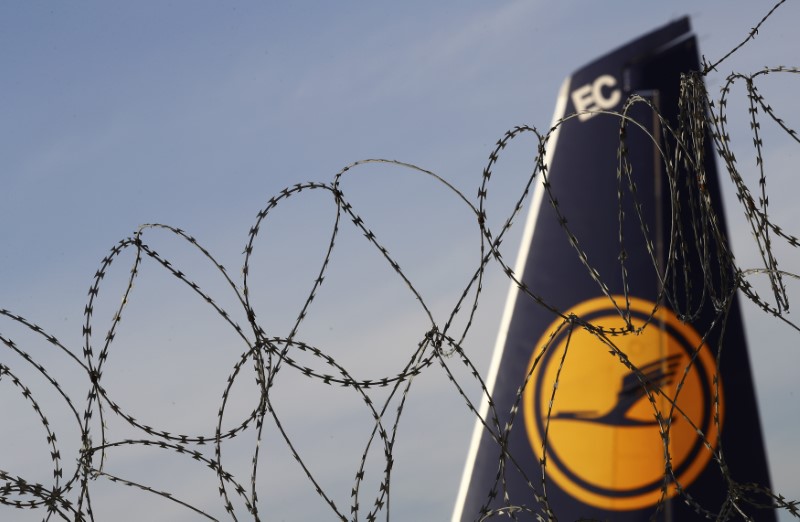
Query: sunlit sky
[(113, 115)]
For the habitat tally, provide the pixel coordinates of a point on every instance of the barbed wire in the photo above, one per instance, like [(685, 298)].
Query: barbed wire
[(69, 495)]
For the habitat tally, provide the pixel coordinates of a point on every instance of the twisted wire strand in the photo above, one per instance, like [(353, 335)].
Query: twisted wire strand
[(69, 496)]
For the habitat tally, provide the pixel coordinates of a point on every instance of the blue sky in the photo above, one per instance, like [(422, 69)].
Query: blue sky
[(113, 115)]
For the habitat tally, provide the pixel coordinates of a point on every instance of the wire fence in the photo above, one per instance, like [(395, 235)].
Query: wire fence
[(96, 419)]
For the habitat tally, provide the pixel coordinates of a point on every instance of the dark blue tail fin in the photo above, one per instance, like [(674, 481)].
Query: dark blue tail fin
[(611, 406)]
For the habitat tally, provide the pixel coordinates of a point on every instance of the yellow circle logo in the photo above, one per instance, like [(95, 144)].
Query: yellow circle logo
[(604, 445)]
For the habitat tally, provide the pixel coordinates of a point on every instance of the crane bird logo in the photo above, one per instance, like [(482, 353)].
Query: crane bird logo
[(655, 376), (602, 409)]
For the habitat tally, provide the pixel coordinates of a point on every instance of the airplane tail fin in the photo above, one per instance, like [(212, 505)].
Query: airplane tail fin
[(611, 405)]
